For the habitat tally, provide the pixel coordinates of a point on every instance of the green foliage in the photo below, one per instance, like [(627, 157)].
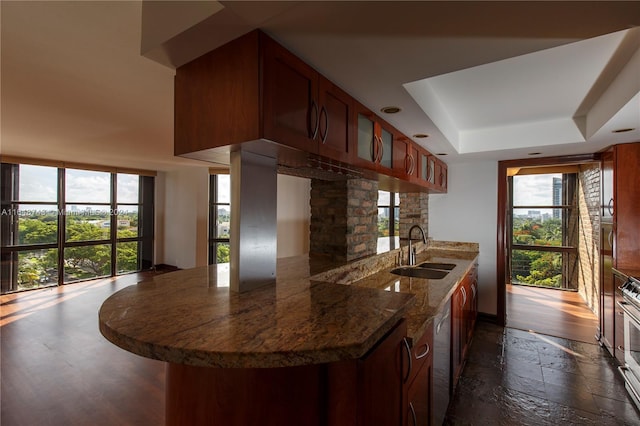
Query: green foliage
[(40, 266), (538, 268), (222, 253)]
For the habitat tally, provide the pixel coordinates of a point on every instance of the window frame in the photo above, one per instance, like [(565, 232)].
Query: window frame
[(214, 204), (11, 249)]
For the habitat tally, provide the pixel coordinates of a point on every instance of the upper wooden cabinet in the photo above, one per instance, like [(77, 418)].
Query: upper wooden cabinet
[(303, 109), (251, 89), (374, 140), (406, 159), (252, 92)]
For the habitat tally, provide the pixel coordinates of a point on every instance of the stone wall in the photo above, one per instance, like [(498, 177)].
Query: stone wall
[(589, 234), (344, 218), (414, 209)]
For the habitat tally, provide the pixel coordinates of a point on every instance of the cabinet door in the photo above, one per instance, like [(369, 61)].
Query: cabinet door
[(368, 146), (405, 158), (386, 137), (334, 132), (291, 111), (381, 385), (607, 186), (419, 397), (440, 175)]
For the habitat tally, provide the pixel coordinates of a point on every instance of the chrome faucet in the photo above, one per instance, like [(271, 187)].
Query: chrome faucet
[(411, 256)]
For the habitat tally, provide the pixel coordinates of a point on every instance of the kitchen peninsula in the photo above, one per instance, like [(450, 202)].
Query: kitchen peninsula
[(306, 347)]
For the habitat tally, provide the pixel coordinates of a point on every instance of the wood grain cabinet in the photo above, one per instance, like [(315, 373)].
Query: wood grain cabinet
[(374, 140), (406, 159), (619, 242), (254, 94), (420, 382), (464, 310), (303, 109)]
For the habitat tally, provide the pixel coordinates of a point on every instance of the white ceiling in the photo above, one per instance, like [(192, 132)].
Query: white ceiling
[(485, 80)]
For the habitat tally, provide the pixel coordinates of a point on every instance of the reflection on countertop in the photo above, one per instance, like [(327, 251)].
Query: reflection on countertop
[(191, 316)]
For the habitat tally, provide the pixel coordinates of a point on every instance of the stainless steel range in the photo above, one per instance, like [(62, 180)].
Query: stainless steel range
[(631, 307)]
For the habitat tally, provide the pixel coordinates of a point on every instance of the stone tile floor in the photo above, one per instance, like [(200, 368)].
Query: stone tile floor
[(515, 377)]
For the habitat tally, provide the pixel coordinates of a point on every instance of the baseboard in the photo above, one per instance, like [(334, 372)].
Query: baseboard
[(483, 316), (163, 267)]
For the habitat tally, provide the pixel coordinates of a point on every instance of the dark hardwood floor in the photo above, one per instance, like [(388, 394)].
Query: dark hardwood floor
[(57, 369), (556, 313)]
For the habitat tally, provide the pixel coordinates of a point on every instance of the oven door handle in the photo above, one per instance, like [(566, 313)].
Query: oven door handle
[(625, 307), (625, 372)]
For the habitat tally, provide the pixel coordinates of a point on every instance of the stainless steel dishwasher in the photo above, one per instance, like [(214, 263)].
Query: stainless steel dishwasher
[(441, 363)]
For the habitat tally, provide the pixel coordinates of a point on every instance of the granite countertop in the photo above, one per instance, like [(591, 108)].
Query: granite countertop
[(308, 317), (430, 294), (191, 317)]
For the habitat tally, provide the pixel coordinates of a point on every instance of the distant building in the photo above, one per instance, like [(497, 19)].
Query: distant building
[(534, 214), (557, 197)]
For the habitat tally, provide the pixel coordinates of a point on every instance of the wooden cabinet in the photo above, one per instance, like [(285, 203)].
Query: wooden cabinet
[(440, 175), (420, 382), (252, 89), (303, 109), (619, 242), (374, 140), (253, 94), (406, 159), (463, 316), (380, 388), (363, 392)]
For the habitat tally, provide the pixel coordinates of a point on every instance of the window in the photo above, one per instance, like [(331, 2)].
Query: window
[(543, 230), (219, 218), (64, 225), (388, 214)]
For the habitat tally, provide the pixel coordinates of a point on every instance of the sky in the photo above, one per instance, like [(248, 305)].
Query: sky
[(534, 190), (39, 183)]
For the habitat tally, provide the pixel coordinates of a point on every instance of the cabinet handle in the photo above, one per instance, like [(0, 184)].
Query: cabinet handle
[(610, 206), (409, 164), (473, 289), (425, 352), (374, 145), (381, 151), (409, 357), (325, 134), (620, 348), (414, 419), (610, 239), (314, 106), (464, 296)]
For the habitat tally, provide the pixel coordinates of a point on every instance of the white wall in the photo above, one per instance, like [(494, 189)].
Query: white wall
[(184, 214), (182, 199), (294, 215), (468, 212)]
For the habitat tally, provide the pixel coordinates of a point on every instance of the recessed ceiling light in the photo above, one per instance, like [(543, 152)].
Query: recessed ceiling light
[(390, 109), (628, 129), (534, 153), (420, 135), (442, 153)]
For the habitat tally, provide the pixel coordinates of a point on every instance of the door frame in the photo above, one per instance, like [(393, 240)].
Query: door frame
[(503, 205)]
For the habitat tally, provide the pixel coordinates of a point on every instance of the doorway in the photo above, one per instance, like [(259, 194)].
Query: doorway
[(543, 228)]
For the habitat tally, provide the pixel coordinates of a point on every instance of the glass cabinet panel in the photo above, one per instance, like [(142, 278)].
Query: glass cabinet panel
[(432, 170), (423, 167), (365, 138), (387, 149)]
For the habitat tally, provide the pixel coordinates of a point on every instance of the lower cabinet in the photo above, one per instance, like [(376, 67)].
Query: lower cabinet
[(420, 383), (464, 311), (363, 392)]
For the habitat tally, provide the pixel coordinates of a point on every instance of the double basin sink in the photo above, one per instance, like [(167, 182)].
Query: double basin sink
[(427, 270)]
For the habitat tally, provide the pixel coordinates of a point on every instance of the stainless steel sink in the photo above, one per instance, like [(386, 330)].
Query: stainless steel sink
[(434, 265), (418, 272)]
